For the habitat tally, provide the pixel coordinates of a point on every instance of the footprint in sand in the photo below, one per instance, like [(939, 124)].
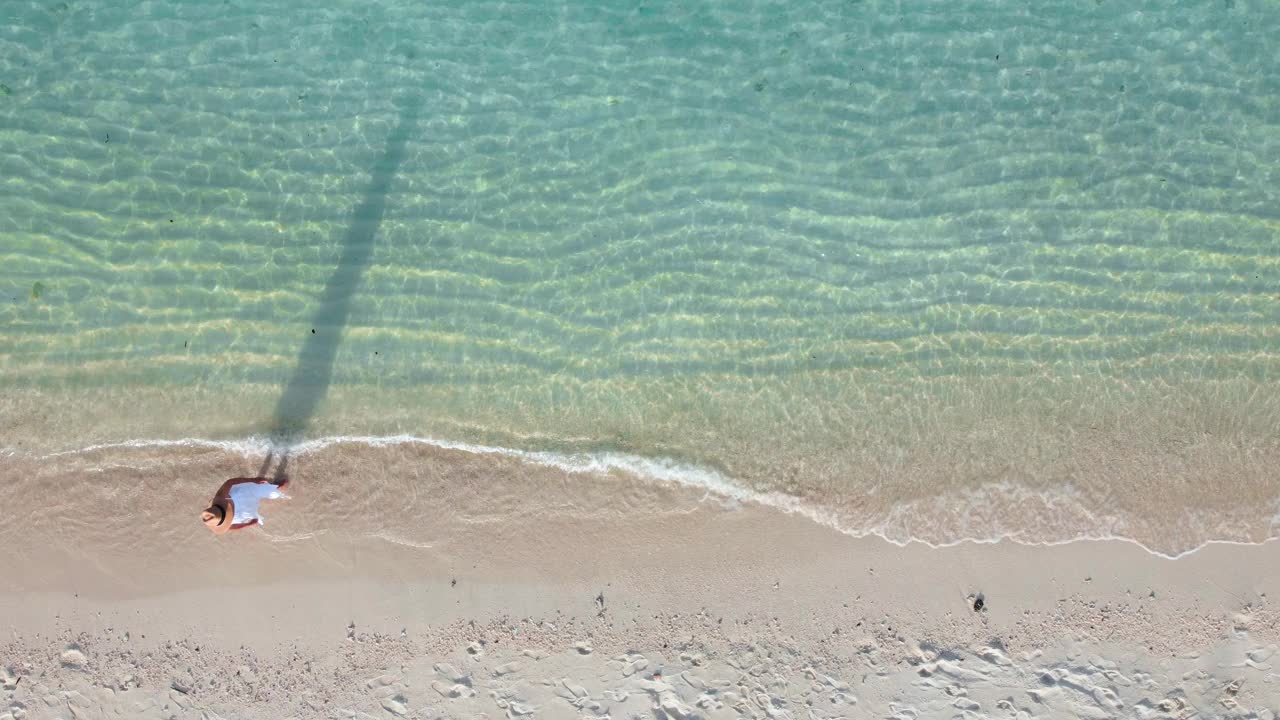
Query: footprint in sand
[(634, 664), (694, 659), (453, 692), (575, 689), (583, 647), (708, 701), (575, 695), (380, 681), (450, 673), (396, 705), (671, 705), (514, 705), (1260, 655)]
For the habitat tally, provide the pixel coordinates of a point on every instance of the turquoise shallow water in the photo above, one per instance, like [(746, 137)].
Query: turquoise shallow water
[(952, 268)]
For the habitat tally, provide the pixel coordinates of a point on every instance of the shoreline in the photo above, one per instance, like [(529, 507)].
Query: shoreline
[(411, 580), (639, 468)]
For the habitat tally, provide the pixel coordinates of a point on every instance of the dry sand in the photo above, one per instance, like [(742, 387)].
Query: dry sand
[(717, 612)]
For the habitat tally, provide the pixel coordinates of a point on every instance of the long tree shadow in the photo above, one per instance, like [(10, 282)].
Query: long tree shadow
[(313, 374)]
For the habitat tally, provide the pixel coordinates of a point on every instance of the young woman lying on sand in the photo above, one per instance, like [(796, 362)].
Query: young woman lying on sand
[(235, 505)]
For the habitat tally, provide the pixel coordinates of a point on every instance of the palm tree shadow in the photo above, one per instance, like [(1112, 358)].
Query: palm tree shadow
[(309, 383)]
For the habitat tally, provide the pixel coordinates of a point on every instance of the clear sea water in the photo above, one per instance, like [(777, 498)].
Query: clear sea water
[(937, 270)]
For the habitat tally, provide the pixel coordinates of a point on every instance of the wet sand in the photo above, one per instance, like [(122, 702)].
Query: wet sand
[(954, 460), (671, 604)]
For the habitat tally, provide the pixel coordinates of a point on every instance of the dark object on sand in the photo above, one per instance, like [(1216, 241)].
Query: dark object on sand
[(979, 603)]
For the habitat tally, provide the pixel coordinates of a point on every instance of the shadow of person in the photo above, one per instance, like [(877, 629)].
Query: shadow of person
[(282, 470), (309, 382)]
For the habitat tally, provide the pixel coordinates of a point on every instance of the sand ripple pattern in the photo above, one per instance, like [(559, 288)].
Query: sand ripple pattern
[(843, 250)]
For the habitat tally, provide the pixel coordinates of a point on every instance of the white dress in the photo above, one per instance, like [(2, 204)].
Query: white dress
[(246, 496)]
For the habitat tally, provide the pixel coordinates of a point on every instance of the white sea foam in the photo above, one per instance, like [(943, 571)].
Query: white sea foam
[(247, 447), (654, 469)]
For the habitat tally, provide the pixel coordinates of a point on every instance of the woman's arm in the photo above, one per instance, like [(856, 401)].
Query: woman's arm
[(224, 492)]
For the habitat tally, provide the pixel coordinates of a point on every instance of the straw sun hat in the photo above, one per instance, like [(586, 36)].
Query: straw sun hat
[(217, 517)]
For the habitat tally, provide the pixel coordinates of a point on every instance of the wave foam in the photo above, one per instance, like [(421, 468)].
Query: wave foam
[(659, 469)]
